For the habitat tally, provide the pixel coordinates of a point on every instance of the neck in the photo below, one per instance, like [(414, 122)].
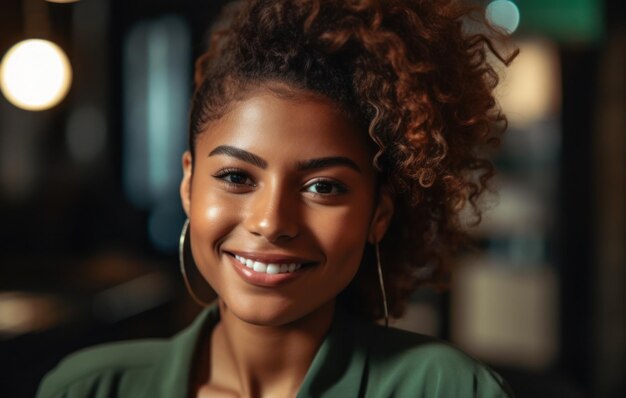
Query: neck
[(266, 360)]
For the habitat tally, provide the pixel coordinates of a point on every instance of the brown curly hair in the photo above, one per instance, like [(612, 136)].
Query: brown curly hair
[(412, 76)]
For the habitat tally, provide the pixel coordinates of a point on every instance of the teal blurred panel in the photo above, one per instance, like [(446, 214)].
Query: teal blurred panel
[(566, 21), (157, 57), (157, 65)]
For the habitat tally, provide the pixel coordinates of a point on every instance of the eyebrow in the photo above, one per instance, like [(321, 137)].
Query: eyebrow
[(240, 154), (306, 165), (330, 161)]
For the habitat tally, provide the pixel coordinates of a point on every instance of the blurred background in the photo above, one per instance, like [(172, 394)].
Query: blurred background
[(93, 122)]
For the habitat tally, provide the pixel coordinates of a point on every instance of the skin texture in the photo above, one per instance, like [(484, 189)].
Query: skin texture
[(322, 215)]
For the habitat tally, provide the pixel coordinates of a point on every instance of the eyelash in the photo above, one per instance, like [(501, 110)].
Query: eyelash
[(223, 174)]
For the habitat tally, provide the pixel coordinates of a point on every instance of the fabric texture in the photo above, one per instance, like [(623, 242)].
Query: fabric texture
[(356, 359)]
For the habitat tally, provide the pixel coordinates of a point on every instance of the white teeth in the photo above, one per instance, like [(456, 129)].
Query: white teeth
[(259, 267), (271, 269)]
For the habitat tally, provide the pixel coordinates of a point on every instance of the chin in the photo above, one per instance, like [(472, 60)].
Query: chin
[(263, 311), (271, 311)]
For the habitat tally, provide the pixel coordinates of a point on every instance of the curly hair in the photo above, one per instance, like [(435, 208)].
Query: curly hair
[(412, 76)]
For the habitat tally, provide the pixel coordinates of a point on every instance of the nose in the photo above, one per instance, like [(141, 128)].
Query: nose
[(272, 214)]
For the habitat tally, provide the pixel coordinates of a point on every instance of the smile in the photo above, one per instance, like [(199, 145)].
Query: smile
[(270, 268)]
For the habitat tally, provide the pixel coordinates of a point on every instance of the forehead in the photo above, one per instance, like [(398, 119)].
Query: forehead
[(298, 126)]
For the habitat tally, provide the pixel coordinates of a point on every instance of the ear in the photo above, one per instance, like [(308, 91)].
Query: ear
[(382, 216), (185, 184)]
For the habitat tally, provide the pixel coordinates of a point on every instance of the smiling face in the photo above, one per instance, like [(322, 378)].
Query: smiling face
[(281, 201)]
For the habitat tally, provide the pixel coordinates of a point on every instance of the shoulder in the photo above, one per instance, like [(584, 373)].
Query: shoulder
[(410, 364), (125, 365), (142, 368)]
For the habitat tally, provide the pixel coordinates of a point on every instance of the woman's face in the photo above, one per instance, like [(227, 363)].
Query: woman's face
[(281, 202)]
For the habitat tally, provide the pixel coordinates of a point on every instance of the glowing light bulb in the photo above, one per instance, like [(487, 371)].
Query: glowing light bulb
[(504, 14), (35, 74)]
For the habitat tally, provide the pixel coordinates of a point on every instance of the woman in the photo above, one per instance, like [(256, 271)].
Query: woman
[(332, 146)]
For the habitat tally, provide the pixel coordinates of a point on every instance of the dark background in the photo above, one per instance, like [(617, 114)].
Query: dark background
[(76, 254)]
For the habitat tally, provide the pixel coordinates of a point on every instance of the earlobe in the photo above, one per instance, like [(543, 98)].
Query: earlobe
[(185, 184), (382, 216)]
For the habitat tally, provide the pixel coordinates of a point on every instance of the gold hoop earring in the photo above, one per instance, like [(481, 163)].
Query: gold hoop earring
[(382, 285), (182, 243)]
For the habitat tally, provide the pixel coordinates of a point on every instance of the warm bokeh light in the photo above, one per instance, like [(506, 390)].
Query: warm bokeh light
[(23, 312), (529, 89), (62, 1), (504, 14), (35, 74)]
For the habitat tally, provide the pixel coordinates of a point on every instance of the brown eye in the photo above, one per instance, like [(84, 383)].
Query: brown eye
[(322, 187), (326, 187), (234, 177)]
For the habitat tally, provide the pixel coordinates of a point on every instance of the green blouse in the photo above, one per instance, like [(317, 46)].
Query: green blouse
[(356, 359)]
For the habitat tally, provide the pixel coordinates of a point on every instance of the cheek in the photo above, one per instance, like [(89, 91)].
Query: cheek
[(211, 216), (211, 220), (342, 233)]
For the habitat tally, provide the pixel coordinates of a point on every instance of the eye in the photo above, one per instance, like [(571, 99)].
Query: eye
[(234, 177), (326, 187)]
